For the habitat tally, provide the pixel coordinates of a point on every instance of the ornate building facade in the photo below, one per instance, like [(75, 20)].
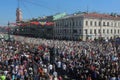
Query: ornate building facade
[(87, 26)]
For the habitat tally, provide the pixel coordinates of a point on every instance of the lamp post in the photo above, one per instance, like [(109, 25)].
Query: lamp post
[(8, 30), (100, 36)]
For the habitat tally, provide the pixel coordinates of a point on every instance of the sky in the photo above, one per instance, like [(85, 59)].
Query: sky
[(38, 8)]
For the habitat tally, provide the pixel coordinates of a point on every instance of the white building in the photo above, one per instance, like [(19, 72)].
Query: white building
[(87, 26)]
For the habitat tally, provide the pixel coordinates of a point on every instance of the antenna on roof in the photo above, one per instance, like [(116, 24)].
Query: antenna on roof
[(87, 8)]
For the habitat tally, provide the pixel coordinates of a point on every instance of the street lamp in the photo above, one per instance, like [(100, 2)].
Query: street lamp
[(8, 30), (100, 34)]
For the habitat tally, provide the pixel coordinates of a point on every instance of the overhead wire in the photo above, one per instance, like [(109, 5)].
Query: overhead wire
[(27, 9), (40, 5), (24, 4)]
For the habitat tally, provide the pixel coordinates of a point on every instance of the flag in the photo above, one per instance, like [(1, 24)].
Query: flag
[(42, 23)]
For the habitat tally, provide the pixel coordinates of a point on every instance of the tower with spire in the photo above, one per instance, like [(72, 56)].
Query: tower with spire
[(18, 14)]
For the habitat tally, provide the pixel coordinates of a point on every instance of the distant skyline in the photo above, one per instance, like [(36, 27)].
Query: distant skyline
[(39, 8)]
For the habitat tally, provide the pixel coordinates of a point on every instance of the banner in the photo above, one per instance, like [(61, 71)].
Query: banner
[(32, 23)]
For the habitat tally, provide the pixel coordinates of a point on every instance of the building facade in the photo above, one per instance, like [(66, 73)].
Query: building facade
[(87, 26), (39, 28)]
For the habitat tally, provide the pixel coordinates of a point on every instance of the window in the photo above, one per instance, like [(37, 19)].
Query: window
[(104, 24), (107, 31), (80, 23), (86, 23), (90, 23), (90, 31), (76, 23), (111, 23), (80, 31), (61, 23), (99, 23), (114, 31), (74, 31), (66, 24), (111, 31), (56, 24), (66, 30), (95, 23), (116, 24), (118, 32), (94, 31), (86, 32), (107, 23), (70, 31), (70, 23)]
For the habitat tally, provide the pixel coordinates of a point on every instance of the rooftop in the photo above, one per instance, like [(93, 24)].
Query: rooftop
[(94, 15), (104, 16)]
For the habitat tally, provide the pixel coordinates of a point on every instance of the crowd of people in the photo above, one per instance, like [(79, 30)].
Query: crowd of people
[(59, 60)]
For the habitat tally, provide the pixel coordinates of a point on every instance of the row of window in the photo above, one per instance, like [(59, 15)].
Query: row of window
[(91, 31), (63, 31), (108, 31), (69, 23), (87, 23), (100, 23)]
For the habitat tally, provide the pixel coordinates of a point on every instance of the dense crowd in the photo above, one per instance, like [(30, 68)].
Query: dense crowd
[(59, 60)]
